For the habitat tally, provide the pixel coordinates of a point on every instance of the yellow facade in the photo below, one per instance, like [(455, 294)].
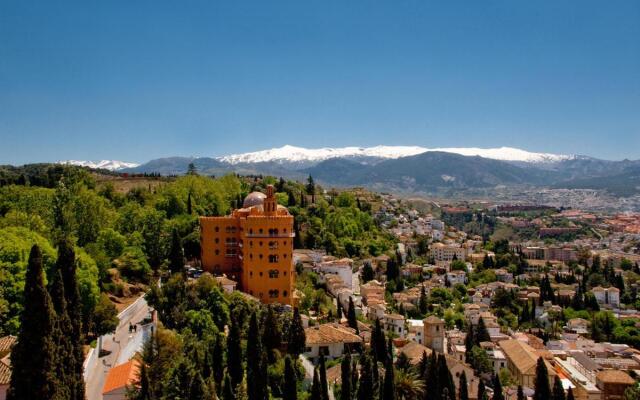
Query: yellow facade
[(253, 246)]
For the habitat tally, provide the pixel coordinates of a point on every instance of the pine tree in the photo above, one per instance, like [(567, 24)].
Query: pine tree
[(558, 390), (351, 316), (365, 388), (176, 254), (345, 375), (316, 391), (256, 365), (541, 383), (497, 389), (464, 390), (389, 393), (520, 395), (33, 358), (296, 339), (227, 389), (234, 353), (289, 391), (66, 264)]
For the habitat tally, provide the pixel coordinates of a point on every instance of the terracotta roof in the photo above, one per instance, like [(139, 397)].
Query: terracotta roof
[(121, 375), (330, 333), (614, 376), (5, 374), (414, 351), (523, 356), (432, 319), (6, 343)]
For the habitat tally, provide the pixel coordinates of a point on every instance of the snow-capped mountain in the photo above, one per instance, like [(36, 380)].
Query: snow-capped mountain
[(293, 154), (111, 165)]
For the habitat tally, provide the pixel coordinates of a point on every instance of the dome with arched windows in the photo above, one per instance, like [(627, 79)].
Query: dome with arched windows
[(254, 199)]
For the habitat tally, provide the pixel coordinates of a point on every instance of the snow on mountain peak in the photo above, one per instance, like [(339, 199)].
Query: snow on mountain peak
[(290, 153), (111, 165)]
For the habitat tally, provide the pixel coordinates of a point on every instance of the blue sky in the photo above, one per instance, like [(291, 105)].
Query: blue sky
[(136, 80)]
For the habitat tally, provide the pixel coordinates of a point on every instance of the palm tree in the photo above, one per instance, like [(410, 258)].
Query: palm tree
[(408, 385)]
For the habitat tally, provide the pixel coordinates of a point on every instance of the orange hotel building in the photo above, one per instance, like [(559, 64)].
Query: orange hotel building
[(254, 247)]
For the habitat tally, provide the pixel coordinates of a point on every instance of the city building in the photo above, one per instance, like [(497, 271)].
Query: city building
[(613, 383), (254, 247), (331, 340), (434, 334)]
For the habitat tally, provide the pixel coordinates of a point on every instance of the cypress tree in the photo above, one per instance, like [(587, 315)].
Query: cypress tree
[(296, 338), (351, 316), (520, 395), (217, 360), (339, 312), (365, 388), (482, 334), (541, 383), (378, 342), (558, 390), (143, 391), (497, 389), (256, 366), (345, 374), (316, 391), (65, 357), (33, 358), (354, 378), (445, 379), (389, 393), (66, 264), (324, 386), (227, 389), (423, 304), (464, 390), (482, 394), (469, 342), (423, 365), (234, 353), (176, 254), (272, 336), (570, 394), (432, 386), (290, 391), (189, 205)]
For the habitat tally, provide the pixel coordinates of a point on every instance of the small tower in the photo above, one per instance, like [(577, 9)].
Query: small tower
[(434, 335), (270, 205)]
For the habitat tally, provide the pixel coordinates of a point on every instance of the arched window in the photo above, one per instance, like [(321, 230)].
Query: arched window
[(273, 258), (284, 293), (273, 273)]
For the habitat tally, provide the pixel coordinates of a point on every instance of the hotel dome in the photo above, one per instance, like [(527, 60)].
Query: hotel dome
[(254, 199)]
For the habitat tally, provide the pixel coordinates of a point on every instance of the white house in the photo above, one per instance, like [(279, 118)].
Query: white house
[(343, 268), (607, 296), (332, 340), (394, 323)]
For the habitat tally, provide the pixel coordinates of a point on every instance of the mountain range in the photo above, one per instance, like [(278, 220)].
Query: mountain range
[(411, 168)]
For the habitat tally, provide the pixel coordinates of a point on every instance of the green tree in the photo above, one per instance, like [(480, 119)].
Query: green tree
[(464, 390), (227, 389), (482, 394), (541, 383), (520, 393), (365, 388), (324, 385), (367, 272), (345, 374), (482, 334), (388, 392), (351, 316), (234, 353), (105, 318), (290, 391), (256, 363), (296, 342), (33, 358), (176, 254), (558, 390), (497, 389), (316, 390)]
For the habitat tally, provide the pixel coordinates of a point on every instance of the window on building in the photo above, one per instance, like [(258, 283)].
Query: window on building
[(217, 252), (284, 293), (274, 273), (273, 258), (274, 293), (217, 240)]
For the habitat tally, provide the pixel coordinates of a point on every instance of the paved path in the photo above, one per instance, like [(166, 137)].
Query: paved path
[(115, 343)]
